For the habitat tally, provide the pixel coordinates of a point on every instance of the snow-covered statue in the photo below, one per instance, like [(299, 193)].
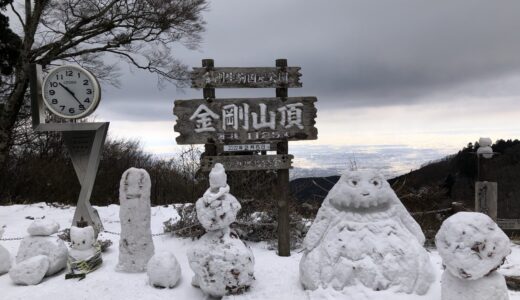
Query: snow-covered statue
[(84, 253), (5, 257), (39, 254), (136, 244), (472, 248), (222, 263), (163, 270), (363, 234)]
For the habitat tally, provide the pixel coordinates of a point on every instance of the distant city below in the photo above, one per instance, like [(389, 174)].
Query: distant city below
[(391, 160)]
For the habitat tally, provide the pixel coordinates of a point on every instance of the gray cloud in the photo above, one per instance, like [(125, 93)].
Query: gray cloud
[(362, 53)]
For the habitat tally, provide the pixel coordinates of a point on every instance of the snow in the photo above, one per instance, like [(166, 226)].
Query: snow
[(485, 142), (163, 270), (5, 260), (222, 263), (136, 245), (277, 277), (51, 246), (43, 227), (30, 271), (364, 235), (82, 241), (471, 245), (489, 287)]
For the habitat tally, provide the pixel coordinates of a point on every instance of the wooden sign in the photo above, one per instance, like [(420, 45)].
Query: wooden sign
[(245, 120), (248, 162), (248, 147), (264, 77), (509, 223)]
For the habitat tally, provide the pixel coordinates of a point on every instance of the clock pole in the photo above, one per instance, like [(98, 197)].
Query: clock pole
[(84, 142)]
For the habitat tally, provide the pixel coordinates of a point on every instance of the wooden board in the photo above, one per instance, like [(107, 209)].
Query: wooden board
[(509, 223), (262, 77), (248, 162), (249, 120)]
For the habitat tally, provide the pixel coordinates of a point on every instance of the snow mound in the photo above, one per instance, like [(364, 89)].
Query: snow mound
[(30, 271), (43, 227), (362, 234), (5, 260), (136, 245), (489, 287), (222, 263), (52, 247), (471, 245), (163, 270)]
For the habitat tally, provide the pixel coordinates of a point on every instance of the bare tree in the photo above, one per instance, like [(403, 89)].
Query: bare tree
[(139, 32)]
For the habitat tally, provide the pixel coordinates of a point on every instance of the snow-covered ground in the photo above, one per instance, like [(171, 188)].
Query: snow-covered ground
[(276, 277)]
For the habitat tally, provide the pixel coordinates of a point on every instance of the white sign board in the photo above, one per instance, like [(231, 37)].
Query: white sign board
[(247, 147)]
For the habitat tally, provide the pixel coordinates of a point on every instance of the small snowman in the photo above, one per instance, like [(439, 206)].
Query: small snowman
[(472, 248), (222, 263), (5, 257), (84, 253)]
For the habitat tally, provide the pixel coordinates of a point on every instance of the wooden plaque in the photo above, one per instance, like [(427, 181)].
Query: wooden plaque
[(262, 77), (248, 162), (252, 120), (511, 224)]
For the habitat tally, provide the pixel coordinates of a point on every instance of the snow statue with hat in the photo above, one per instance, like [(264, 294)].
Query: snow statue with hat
[(222, 263), (363, 234), (84, 253), (472, 248), (136, 245)]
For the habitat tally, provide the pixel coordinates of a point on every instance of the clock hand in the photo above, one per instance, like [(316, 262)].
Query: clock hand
[(71, 92)]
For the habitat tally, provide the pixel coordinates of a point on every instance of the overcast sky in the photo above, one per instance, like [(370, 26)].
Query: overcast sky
[(435, 74)]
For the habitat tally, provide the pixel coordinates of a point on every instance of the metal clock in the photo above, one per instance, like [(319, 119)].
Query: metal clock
[(71, 92)]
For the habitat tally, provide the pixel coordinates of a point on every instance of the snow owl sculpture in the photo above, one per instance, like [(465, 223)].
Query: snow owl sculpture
[(363, 234)]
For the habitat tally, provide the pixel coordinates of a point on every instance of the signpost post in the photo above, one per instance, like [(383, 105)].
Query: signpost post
[(239, 132)]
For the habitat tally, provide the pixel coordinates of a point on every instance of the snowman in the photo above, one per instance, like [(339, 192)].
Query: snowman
[(222, 263), (5, 257), (363, 234), (472, 248), (84, 252)]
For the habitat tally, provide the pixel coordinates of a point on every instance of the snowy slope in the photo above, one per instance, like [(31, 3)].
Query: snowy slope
[(276, 277)]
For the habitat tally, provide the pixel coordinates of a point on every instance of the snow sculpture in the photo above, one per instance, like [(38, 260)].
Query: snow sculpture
[(43, 227), (485, 147), (5, 257), (136, 244), (85, 253), (472, 248), (363, 234), (51, 246), (163, 270), (222, 263), (30, 271)]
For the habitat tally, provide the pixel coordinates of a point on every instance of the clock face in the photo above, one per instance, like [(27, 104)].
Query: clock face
[(71, 92)]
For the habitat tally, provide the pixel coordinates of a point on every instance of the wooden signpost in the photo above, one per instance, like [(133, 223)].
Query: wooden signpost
[(239, 132)]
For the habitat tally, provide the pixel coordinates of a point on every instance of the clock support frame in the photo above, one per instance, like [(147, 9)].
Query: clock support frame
[(84, 141)]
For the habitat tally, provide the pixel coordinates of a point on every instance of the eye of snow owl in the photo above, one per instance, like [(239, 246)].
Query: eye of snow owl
[(361, 190)]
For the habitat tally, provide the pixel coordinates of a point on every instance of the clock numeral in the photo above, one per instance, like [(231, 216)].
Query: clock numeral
[(68, 73), (54, 101), (59, 76), (54, 84), (81, 107), (52, 92), (71, 110), (79, 74), (89, 91), (85, 82), (87, 100), (62, 107)]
